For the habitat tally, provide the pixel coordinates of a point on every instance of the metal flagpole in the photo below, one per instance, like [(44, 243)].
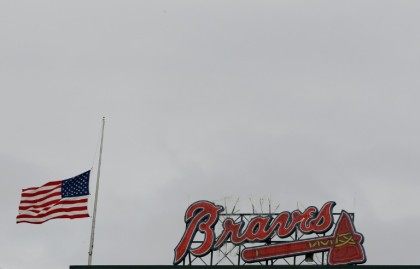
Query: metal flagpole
[(92, 232)]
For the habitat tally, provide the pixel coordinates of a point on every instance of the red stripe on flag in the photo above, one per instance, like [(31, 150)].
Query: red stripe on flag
[(54, 202), (58, 217), (26, 216), (39, 192), (41, 199), (46, 184)]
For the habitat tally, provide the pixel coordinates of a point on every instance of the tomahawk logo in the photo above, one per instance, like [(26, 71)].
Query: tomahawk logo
[(344, 245)]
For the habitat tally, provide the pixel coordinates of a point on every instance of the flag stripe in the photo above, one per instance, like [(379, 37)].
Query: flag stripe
[(52, 211), (54, 198), (56, 201), (41, 191), (60, 205), (42, 220), (42, 198), (40, 205), (48, 209), (51, 183)]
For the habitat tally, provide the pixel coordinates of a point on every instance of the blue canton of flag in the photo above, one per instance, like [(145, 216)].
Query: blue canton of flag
[(76, 186)]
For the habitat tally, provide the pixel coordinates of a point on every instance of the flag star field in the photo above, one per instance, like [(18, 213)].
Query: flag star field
[(76, 186)]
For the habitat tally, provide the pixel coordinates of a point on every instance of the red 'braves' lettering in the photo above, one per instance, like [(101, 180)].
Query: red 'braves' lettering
[(200, 216), (260, 228), (203, 215)]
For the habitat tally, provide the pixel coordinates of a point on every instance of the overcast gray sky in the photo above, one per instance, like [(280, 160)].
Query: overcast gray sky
[(303, 101)]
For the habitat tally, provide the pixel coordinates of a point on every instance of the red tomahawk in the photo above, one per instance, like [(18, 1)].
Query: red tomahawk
[(344, 246)]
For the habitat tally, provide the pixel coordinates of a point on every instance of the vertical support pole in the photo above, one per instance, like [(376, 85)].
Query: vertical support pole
[(323, 255), (239, 253), (294, 257), (92, 232)]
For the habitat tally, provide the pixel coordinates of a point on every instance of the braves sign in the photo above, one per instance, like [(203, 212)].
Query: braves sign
[(344, 245)]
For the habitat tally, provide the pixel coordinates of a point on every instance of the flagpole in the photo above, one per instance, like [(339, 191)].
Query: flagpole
[(92, 232)]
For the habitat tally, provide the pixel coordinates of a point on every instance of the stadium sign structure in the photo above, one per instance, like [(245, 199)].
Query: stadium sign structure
[(343, 245)]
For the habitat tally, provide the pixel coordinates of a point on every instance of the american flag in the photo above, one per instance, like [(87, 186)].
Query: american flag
[(66, 199)]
